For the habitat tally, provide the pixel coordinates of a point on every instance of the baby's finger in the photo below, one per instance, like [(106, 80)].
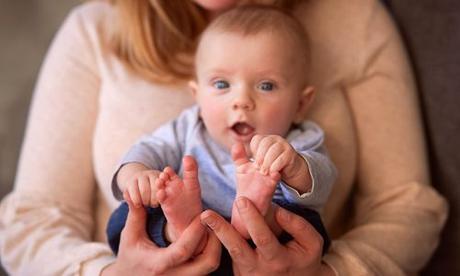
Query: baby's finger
[(254, 144), (160, 186), (134, 193), (280, 162), (144, 189), (153, 191), (262, 149), (273, 152), (127, 198), (160, 182)]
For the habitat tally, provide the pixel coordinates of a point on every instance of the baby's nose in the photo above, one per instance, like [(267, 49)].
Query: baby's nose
[(243, 101)]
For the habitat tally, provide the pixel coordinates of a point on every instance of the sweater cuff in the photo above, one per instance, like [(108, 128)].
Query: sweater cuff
[(333, 262), (293, 192), (95, 266)]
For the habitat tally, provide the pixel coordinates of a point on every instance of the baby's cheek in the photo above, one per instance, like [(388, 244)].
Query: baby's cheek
[(212, 115), (214, 118), (277, 123)]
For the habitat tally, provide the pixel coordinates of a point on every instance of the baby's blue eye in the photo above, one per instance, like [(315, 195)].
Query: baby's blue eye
[(221, 84), (266, 86)]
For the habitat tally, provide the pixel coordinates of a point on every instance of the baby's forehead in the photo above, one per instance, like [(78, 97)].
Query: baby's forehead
[(265, 44), (248, 20), (264, 37), (261, 55)]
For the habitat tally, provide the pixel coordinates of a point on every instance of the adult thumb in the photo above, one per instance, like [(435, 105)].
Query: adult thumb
[(135, 223)]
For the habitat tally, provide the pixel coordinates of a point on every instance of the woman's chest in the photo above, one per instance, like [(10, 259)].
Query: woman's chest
[(127, 110), (332, 112)]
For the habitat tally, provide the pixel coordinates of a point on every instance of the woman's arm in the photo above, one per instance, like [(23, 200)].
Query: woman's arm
[(47, 222), (397, 215)]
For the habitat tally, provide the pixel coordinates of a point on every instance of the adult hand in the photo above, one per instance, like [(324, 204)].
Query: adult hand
[(301, 256), (138, 255)]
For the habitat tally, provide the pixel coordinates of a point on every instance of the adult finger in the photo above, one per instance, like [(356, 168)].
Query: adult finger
[(204, 263), (237, 247), (261, 234), (182, 249), (135, 222), (303, 233)]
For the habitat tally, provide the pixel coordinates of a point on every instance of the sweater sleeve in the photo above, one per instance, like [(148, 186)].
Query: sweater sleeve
[(47, 222), (396, 216), (308, 141), (163, 147)]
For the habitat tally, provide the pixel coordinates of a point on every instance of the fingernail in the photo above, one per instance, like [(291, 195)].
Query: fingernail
[(241, 203), (208, 220)]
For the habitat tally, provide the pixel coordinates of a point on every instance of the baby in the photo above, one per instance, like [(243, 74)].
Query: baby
[(246, 134)]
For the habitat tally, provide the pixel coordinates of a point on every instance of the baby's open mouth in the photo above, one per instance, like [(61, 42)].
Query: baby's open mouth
[(242, 129)]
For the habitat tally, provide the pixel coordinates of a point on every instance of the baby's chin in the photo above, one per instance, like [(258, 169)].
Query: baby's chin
[(247, 149), (228, 145)]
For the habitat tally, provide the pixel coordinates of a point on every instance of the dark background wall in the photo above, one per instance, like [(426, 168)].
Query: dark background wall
[(431, 29)]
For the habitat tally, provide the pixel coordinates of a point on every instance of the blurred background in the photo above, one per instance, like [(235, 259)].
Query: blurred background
[(26, 29), (430, 28)]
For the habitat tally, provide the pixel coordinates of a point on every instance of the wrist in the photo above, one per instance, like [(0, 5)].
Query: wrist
[(297, 176), (110, 270), (326, 270)]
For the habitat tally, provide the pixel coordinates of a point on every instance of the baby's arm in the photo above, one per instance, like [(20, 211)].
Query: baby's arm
[(139, 182), (273, 153)]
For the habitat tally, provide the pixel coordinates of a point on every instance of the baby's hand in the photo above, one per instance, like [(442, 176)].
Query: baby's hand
[(141, 188), (272, 153)]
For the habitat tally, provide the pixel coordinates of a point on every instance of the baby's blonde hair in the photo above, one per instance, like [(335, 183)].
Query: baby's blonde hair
[(254, 19), (157, 38)]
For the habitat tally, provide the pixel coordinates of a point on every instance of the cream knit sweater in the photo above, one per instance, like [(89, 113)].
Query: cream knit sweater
[(88, 109)]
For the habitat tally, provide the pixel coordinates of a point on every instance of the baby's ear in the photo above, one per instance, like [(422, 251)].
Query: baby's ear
[(306, 98), (193, 87)]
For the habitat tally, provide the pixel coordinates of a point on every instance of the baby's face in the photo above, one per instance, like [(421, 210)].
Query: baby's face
[(248, 85)]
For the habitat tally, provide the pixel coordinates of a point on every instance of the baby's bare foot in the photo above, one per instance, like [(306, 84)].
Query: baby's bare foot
[(257, 187), (180, 199)]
